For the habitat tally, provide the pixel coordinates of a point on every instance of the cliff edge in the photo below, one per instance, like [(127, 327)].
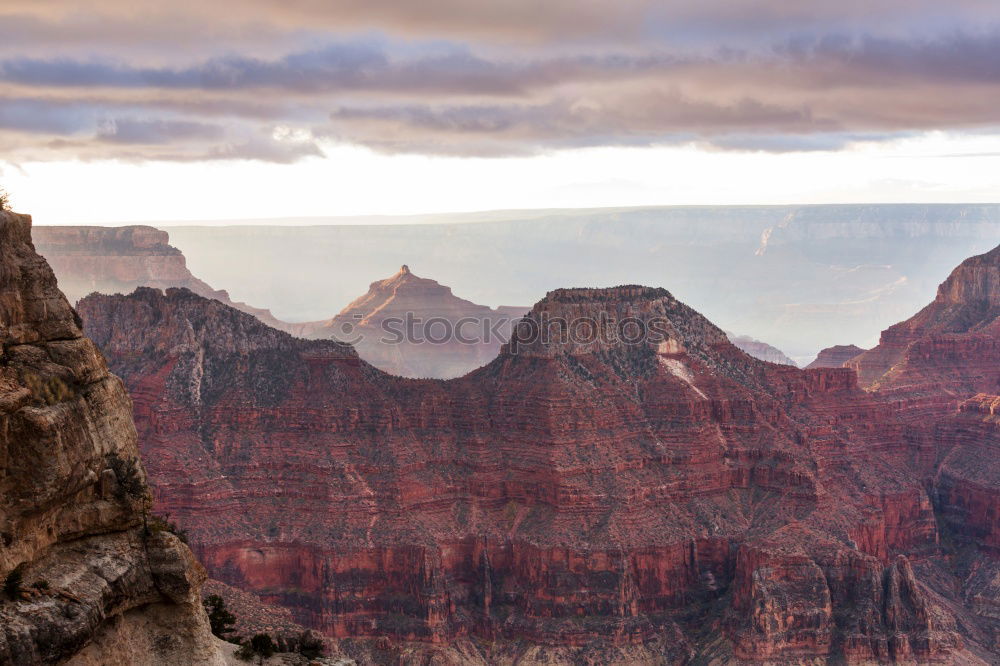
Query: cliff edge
[(86, 581)]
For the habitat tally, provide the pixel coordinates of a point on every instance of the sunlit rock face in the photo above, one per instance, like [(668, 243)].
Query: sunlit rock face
[(655, 499), (97, 589)]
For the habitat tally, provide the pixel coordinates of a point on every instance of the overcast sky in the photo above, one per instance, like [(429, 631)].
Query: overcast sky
[(120, 110)]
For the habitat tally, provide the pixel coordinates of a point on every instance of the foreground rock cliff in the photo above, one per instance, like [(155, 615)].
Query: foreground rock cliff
[(573, 501), (96, 587)]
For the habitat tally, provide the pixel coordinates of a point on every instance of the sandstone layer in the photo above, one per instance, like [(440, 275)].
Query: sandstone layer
[(415, 327), (97, 587), (659, 501)]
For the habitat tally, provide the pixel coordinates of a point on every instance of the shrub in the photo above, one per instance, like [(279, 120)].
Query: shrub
[(4, 200), (310, 645), (219, 617), (261, 646), (130, 483), (12, 584), (157, 523), (51, 391)]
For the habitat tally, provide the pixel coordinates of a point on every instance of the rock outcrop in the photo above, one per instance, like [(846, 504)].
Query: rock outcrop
[(588, 495), (955, 339), (116, 260), (759, 349), (414, 327), (835, 357), (96, 587)]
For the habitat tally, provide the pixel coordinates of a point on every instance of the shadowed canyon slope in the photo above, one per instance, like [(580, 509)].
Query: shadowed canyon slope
[(96, 588), (611, 502)]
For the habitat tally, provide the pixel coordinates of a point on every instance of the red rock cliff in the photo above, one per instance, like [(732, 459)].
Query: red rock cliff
[(658, 501)]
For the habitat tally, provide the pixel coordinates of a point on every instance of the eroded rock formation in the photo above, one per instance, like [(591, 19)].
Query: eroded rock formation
[(836, 356), (414, 327), (97, 588), (607, 502), (955, 339), (116, 260)]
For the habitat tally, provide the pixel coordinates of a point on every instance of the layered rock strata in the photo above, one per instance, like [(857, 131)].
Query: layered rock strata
[(955, 339), (653, 501), (96, 586)]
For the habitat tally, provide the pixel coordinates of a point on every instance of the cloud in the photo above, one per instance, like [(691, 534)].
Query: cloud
[(473, 77), (139, 131)]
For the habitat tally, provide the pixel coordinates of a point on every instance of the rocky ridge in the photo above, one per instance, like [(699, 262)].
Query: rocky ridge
[(97, 587), (662, 501), (956, 337)]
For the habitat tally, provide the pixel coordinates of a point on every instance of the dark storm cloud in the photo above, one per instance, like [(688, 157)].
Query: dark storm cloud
[(267, 81)]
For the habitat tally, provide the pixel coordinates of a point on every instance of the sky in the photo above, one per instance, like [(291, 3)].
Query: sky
[(121, 111)]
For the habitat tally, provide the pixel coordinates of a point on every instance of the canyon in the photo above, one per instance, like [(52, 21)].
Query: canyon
[(113, 260), (116, 260), (800, 277), (662, 501), (87, 583)]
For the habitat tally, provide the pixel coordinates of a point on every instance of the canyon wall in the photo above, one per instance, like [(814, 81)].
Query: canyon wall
[(96, 586), (116, 260), (613, 502)]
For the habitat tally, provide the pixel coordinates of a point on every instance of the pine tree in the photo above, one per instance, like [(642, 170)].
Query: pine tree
[(219, 617)]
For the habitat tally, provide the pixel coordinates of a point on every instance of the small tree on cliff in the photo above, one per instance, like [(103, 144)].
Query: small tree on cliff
[(129, 477), (219, 617), (4, 200)]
